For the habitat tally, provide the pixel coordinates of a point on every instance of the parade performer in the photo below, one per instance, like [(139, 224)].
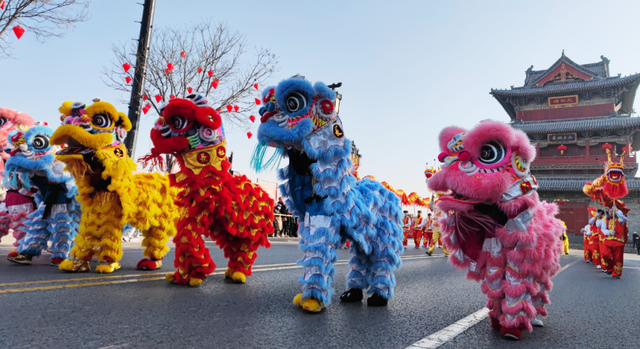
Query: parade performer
[(428, 231), (406, 227), (418, 228), (497, 227), (586, 231), (437, 232), (110, 194), (17, 203), (565, 239), (595, 239), (230, 210), (331, 205), (615, 234), (32, 165)]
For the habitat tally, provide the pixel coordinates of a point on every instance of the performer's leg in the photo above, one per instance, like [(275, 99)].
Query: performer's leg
[(607, 256), (191, 257), (34, 241), (595, 257), (434, 237), (63, 225), (103, 222), (417, 236), (565, 245), (406, 237), (155, 240), (618, 260), (319, 247), (357, 279), (518, 305)]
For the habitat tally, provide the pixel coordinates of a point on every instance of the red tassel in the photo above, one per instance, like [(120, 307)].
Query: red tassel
[(154, 160)]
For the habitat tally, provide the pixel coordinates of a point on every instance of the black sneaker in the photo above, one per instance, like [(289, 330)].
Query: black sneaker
[(376, 300), (20, 259), (352, 295), (428, 253)]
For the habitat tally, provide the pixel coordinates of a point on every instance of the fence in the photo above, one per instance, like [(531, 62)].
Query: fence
[(289, 225)]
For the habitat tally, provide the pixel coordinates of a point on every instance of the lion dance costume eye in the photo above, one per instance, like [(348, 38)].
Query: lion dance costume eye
[(495, 225), (110, 194), (17, 203), (32, 167), (232, 211), (331, 205)]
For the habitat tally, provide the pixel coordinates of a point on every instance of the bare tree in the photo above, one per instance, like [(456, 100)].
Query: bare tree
[(44, 18), (204, 58)]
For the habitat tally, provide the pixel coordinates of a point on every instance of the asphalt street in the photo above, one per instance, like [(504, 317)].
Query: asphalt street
[(42, 307)]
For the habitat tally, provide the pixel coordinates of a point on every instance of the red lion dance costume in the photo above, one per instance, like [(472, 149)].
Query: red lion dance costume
[(496, 226), (232, 211)]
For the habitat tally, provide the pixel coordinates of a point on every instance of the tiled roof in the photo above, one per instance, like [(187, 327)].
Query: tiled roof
[(573, 184), (567, 88), (535, 76), (579, 125)]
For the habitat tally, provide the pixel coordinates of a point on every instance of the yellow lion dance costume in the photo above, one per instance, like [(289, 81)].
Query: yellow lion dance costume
[(109, 193)]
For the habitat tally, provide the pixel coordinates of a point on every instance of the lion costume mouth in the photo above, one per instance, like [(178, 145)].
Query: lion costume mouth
[(615, 175), (78, 141)]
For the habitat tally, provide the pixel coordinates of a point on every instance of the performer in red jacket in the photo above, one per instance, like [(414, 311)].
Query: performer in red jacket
[(615, 236)]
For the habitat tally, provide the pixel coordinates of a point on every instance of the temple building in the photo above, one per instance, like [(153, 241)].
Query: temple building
[(569, 111)]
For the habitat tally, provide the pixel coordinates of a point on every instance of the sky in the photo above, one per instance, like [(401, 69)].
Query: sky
[(408, 68)]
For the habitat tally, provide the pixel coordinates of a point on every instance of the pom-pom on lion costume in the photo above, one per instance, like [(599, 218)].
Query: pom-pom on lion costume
[(330, 203), (230, 210), (110, 194), (496, 226), (32, 165)]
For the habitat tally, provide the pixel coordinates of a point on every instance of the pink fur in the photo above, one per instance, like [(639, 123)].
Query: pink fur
[(531, 256), (17, 118)]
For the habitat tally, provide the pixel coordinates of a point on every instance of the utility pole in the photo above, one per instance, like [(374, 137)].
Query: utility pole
[(137, 89)]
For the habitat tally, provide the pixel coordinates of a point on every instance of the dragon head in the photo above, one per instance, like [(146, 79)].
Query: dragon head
[(190, 129), (487, 164), (615, 186), (292, 111), (92, 137)]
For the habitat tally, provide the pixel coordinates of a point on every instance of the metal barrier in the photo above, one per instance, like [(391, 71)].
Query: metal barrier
[(289, 225)]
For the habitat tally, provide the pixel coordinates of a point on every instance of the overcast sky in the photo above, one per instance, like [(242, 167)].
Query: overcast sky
[(408, 68)]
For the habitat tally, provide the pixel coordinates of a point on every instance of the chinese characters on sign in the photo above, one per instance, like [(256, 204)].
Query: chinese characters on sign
[(563, 138), (564, 100)]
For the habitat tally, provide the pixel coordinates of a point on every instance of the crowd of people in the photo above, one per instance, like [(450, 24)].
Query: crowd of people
[(423, 230), (284, 224), (604, 239)]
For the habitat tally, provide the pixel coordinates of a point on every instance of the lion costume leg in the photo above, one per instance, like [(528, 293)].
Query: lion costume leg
[(155, 241), (192, 257), (242, 254)]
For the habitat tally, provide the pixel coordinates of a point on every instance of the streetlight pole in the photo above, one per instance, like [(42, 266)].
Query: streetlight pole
[(135, 103)]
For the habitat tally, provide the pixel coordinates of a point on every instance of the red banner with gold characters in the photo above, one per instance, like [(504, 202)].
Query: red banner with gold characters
[(563, 100)]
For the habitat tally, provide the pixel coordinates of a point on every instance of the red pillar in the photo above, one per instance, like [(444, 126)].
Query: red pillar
[(587, 145)]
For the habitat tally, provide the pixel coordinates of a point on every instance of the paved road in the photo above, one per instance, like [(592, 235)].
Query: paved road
[(133, 309)]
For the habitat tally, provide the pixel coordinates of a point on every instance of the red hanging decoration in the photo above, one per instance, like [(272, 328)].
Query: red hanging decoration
[(199, 70), (256, 86), (172, 97), (562, 148), (158, 98), (189, 89), (236, 108), (128, 79), (18, 30), (126, 67), (167, 71), (183, 54), (606, 146), (249, 134), (144, 97), (2, 5), (229, 108), (210, 73), (257, 101), (625, 149), (146, 108), (214, 83), (170, 66), (252, 118)]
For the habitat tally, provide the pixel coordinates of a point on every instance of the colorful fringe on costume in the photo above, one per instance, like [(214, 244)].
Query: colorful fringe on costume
[(324, 195), (497, 227), (110, 194), (32, 167), (230, 210)]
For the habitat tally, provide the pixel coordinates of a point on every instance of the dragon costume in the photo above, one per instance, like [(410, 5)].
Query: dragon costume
[(230, 210), (322, 192), (32, 165), (496, 226), (17, 204), (611, 185), (110, 194)]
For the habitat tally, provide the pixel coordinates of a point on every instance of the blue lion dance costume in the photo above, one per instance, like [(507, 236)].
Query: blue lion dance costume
[(332, 206), (32, 166)]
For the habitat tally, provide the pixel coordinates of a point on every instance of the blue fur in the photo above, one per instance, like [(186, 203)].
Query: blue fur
[(285, 87), (363, 212)]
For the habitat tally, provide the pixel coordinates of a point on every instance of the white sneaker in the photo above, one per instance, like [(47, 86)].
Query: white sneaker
[(598, 267), (537, 322)]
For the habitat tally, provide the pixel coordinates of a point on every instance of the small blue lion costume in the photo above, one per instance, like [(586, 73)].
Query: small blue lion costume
[(33, 166), (332, 206)]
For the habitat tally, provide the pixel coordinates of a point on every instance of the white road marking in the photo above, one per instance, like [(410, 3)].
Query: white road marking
[(448, 333)]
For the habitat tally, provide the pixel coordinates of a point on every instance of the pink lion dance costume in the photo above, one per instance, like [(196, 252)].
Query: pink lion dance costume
[(494, 223), (16, 204)]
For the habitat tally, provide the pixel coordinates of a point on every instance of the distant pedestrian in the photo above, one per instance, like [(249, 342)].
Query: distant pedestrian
[(636, 241)]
